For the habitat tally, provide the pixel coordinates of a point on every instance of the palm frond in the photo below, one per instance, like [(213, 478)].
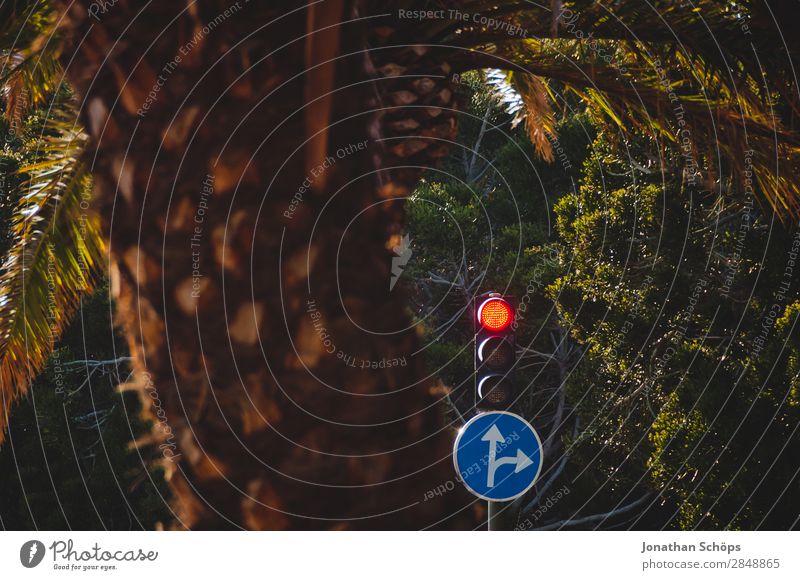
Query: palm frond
[(29, 46), (680, 72), (55, 259), (28, 81), (23, 21), (527, 97)]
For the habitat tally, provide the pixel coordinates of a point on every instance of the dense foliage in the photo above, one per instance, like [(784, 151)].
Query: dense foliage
[(67, 461), (657, 342), (686, 304)]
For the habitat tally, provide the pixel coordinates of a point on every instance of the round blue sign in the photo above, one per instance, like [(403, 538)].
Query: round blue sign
[(498, 455)]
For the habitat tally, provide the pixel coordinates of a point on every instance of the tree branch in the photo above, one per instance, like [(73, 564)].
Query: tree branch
[(596, 517)]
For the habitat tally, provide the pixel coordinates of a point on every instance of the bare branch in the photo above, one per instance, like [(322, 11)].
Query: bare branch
[(98, 363), (547, 485), (471, 168), (596, 517)]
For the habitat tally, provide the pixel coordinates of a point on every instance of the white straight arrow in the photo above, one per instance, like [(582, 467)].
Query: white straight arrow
[(493, 436)]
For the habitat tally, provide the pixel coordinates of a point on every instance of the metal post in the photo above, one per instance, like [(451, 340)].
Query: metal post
[(500, 516), (493, 521)]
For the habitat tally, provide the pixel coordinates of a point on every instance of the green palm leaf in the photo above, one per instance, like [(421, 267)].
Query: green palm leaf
[(56, 257), (29, 48), (680, 72)]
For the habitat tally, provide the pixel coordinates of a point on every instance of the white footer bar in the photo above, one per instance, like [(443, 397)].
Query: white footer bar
[(400, 555)]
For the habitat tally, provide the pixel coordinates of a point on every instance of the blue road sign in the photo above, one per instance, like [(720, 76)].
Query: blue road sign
[(498, 455)]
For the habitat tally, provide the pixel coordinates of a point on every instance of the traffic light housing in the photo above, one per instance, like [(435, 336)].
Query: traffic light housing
[(495, 352)]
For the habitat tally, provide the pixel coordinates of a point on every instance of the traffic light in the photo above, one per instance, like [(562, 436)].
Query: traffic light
[(495, 352)]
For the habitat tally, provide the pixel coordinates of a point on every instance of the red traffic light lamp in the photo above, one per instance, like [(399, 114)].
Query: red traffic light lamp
[(495, 314)]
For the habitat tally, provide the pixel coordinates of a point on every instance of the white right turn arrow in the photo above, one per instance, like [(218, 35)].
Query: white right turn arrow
[(523, 461), (493, 436)]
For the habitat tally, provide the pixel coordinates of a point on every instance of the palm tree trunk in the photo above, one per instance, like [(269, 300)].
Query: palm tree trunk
[(252, 271)]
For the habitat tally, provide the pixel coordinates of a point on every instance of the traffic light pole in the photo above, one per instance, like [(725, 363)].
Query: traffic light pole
[(500, 517), (493, 520)]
